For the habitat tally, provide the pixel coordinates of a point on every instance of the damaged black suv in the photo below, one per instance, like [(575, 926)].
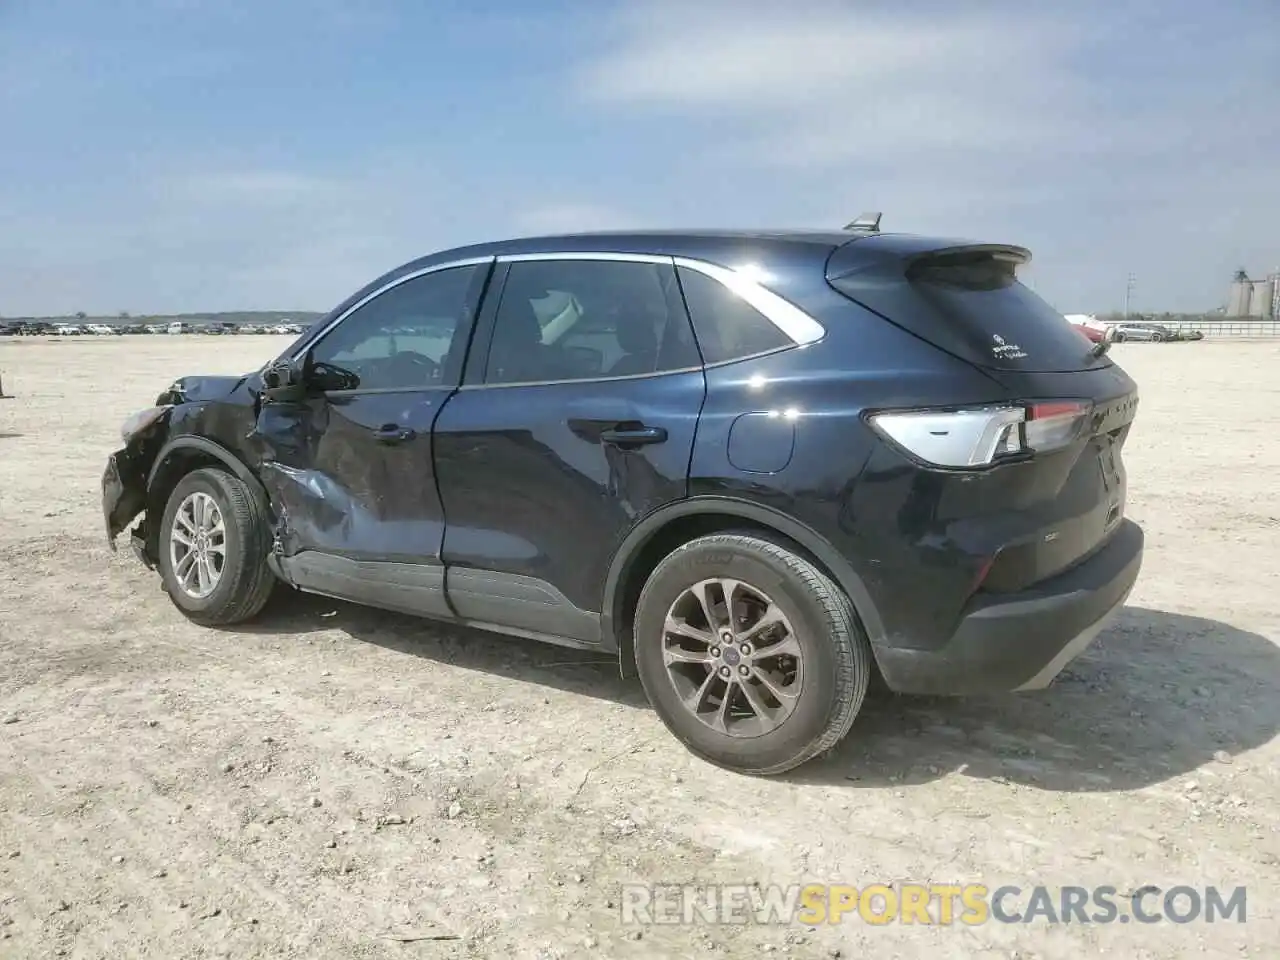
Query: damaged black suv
[(762, 468)]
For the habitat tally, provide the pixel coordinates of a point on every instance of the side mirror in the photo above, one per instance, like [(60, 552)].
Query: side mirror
[(323, 377), (289, 381), (284, 380)]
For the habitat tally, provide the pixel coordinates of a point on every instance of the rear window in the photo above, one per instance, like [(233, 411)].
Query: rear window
[(974, 306)]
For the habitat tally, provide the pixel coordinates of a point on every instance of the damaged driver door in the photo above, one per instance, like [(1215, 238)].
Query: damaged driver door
[(346, 449)]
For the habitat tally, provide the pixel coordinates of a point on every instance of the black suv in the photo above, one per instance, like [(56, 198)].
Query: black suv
[(760, 467)]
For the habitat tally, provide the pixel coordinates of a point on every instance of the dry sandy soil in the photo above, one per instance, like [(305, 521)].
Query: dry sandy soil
[(333, 777)]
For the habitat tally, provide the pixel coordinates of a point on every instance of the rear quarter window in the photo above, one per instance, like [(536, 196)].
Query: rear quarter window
[(727, 327)]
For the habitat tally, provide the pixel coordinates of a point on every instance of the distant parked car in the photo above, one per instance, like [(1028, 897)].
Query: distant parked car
[(1155, 332), (68, 330), (178, 327)]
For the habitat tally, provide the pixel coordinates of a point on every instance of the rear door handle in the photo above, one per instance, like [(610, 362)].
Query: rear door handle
[(633, 436), (393, 433)]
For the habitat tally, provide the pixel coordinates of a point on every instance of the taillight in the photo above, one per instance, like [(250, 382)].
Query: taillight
[(1050, 426), (982, 436)]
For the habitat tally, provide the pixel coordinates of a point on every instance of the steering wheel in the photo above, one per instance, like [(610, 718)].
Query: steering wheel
[(410, 367)]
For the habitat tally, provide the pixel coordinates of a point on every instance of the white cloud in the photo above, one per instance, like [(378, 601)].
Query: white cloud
[(1108, 137), (842, 82)]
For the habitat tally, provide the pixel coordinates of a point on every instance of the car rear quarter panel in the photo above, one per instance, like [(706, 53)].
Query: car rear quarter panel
[(883, 514)]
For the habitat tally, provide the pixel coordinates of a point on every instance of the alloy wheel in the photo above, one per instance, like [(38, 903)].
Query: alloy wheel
[(198, 545), (733, 657)]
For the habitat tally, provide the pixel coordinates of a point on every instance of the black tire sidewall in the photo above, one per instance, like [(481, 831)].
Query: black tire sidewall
[(818, 696), (213, 482)]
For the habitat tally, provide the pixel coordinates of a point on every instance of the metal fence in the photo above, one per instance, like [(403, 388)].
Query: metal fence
[(1213, 329)]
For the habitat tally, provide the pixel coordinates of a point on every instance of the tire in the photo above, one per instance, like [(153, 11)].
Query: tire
[(1157, 338), (1119, 338), (244, 582), (835, 664)]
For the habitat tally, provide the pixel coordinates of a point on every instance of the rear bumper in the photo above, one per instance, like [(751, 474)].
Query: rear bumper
[(1021, 641)]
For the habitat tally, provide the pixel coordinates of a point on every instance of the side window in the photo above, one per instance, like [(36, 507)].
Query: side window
[(728, 327), (405, 337), (588, 319)]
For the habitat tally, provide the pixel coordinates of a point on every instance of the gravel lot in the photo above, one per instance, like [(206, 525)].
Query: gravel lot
[(336, 782)]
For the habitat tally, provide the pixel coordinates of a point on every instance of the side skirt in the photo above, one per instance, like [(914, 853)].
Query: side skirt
[(509, 604)]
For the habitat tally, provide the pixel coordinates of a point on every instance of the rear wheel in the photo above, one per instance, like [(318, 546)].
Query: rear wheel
[(1157, 337), (1119, 337), (214, 541), (749, 653)]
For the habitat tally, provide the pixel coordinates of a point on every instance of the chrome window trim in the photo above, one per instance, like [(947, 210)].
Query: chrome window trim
[(800, 328), (434, 268), (587, 255), (604, 379), (701, 368)]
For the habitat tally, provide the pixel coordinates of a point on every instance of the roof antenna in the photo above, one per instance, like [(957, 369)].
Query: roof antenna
[(867, 222)]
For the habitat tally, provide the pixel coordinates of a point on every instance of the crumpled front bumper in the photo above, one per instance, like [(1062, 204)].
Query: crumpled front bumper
[(124, 493)]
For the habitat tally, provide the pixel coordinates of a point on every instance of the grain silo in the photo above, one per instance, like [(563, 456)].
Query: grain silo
[(1256, 299), (1240, 299), (1260, 302)]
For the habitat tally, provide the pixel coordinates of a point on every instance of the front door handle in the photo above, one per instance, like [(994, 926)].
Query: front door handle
[(393, 433), (633, 436)]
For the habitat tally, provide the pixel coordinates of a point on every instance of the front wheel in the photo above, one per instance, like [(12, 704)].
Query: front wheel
[(214, 541), (749, 653)]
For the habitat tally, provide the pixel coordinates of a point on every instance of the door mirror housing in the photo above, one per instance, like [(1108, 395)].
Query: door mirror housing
[(292, 380), (284, 380), (322, 377)]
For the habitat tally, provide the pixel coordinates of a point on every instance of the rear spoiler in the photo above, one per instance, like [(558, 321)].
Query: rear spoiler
[(899, 253)]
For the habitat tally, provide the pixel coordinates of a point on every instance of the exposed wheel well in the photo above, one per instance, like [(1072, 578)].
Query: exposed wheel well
[(680, 531)]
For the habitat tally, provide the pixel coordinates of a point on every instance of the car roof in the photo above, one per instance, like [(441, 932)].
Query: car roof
[(724, 246), (682, 242)]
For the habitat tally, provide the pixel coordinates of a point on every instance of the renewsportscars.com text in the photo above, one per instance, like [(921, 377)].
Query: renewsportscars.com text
[(934, 904)]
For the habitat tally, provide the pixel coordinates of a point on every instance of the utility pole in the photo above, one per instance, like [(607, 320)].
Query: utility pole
[(1128, 294)]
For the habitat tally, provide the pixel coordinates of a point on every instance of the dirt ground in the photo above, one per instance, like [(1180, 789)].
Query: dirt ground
[(335, 782)]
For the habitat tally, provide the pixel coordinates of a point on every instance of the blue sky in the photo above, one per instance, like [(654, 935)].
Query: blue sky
[(182, 155)]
